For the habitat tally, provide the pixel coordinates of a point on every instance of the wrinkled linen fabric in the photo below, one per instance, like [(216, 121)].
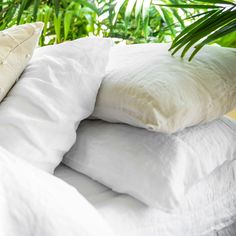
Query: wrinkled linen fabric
[(16, 48), (209, 208), (58, 89), (156, 168), (33, 202), (146, 86), (212, 211)]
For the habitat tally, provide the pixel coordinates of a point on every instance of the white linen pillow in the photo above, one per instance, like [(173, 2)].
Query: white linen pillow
[(16, 48), (33, 202), (147, 87), (39, 117), (158, 169)]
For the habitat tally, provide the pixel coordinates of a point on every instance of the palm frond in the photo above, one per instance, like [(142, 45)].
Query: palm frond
[(218, 21), (199, 21)]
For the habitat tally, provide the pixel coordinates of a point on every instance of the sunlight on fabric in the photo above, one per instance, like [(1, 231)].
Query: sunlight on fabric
[(232, 114)]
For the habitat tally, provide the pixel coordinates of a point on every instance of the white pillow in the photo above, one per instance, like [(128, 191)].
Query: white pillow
[(158, 169), (16, 48), (33, 202), (147, 87), (39, 117)]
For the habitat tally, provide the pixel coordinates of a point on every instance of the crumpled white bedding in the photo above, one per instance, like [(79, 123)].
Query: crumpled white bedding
[(34, 203), (156, 168), (57, 90), (208, 210)]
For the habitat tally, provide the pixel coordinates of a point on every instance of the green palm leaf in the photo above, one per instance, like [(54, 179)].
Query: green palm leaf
[(36, 7), (229, 28), (214, 24)]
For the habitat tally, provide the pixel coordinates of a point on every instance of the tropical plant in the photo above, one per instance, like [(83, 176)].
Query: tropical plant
[(213, 26), (64, 20), (145, 21), (136, 21), (187, 23)]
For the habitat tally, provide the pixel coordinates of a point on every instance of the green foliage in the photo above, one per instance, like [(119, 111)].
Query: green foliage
[(136, 21), (228, 41), (64, 20), (216, 25), (140, 21)]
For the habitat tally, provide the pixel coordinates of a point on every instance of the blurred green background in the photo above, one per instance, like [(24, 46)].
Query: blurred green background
[(136, 21)]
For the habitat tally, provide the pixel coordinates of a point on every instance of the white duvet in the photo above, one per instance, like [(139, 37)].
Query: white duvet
[(34, 203), (209, 208)]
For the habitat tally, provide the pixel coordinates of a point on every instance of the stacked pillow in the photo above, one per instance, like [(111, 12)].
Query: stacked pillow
[(158, 169), (58, 89), (147, 87), (174, 134), (171, 134)]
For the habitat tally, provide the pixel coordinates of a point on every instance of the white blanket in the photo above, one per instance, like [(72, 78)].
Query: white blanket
[(208, 210), (36, 203)]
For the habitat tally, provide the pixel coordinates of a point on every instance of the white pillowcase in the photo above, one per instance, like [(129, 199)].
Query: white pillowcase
[(39, 117), (158, 169), (33, 202), (147, 87), (16, 48)]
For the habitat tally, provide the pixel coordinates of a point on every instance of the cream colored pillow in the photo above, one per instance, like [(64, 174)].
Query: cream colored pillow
[(147, 87), (16, 48)]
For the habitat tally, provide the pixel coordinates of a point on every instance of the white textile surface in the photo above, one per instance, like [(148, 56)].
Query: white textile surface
[(58, 89), (158, 169), (146, 86), (208, 210), (36, 203)]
